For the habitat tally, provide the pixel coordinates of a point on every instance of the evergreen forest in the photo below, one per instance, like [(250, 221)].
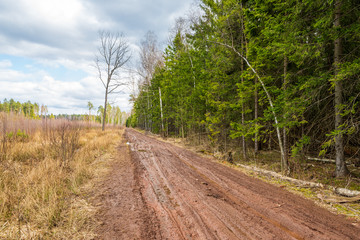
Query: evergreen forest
[(259, 75)]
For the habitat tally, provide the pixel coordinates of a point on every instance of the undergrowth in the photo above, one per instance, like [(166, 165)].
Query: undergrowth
[(303, 169)]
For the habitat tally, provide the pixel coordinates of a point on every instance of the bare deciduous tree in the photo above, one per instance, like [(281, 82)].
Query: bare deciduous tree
[(150, 58), (113, 54)]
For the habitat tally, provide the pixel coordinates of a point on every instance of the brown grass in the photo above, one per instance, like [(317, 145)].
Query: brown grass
[(45, 174)]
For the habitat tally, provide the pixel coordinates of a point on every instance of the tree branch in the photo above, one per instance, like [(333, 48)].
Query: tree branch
[(265, 90)]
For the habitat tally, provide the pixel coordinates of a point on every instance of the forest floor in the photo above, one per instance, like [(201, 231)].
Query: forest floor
[(157, 190)]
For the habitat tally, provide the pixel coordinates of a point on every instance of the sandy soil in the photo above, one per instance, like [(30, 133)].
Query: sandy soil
[(160, 191)]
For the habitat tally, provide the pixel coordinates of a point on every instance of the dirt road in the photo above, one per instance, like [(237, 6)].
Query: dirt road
[(165, 192)]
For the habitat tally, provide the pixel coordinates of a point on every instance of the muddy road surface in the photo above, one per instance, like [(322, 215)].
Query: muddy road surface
[(160, 191)]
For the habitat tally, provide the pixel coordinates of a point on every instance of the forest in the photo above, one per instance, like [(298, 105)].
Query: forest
[(254, 75)]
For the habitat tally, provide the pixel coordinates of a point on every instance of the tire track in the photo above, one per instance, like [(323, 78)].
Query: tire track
[(195, 198)]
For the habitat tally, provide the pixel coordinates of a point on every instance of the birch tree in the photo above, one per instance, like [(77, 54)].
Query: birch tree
[(150, 58)]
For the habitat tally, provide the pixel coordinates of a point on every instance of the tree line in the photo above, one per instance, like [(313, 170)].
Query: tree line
[(36, 111), (27, 109), (265, 74), (113, 115)]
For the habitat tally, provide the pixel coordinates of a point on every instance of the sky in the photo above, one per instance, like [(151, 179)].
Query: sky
[(48, 47)]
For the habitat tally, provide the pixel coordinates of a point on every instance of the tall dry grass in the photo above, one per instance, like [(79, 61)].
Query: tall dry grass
[(46, 170)]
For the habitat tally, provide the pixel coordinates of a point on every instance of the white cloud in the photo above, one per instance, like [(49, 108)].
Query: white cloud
[(12, 75), (59, 96), (63, 34), (63, 14), (5, 64)]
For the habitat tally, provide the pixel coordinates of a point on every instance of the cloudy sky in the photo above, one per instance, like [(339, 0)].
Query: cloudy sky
[(47, 47)]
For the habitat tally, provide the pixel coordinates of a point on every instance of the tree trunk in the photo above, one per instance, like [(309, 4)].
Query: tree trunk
[(256, 110), (161, 112), (148, 112), (105, 106), (285, 159), (269, 143), (242, 82), (341, 169), (182, 129), (243, 137)]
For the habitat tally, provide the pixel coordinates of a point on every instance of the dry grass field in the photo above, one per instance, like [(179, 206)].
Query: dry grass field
[(47, 169)]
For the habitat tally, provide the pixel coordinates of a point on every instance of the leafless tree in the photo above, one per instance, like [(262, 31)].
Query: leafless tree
[(182, 27), (113, 54), (150, 58)]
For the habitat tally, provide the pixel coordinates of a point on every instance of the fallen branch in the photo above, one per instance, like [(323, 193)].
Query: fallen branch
[(277, 175), (322, 160), (341, 191), (338, 199), (347, 192)]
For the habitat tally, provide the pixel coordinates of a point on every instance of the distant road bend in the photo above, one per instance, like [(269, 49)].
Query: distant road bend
[(160, 191)]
